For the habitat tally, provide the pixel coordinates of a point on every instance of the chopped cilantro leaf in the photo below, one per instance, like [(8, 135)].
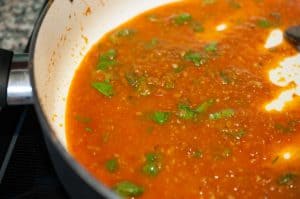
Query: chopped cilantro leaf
[(139, 83), (107, 60), (151, 157), (132, 79), (194, 57), (83, 119), (152, 18), (226, 153), (275, 159), (152, 43), (208, 2), (234, 4), (286, 179), (211, 47), (197, 154), (182, 18), (204, 106), (186, 112), (151, 166), (126, 32), (128, 189), (151, 169), (225, 77), (177, 68), (87, 129), (225, 113), (287, 128), (112, 165), (104, 88), (197, 27), (237, 134), (160, 117), (264, 23)]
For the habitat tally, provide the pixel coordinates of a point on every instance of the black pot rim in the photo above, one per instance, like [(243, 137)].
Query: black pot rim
[(48, 132)]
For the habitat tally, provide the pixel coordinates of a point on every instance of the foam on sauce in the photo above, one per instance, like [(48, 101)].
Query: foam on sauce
[(286, 74)]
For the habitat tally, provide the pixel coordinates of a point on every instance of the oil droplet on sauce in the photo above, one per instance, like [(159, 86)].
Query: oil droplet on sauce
[(285, 75)]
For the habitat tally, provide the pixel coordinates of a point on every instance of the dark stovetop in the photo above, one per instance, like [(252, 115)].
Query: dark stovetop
[(29, 173)]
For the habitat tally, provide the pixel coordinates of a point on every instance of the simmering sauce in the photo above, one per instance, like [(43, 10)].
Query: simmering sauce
[(192, 100)]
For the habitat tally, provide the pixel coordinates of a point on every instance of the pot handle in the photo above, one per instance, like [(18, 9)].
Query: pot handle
[(15, 86), (5, 63)]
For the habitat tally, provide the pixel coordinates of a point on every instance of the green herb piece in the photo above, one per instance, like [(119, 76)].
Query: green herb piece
[(186, 112), (276, 18), (208, 2), (83, 119), (152, 18), (288, 128), (152, 43), (128, 189), (107, 60), (160, 117), (225, 113), (222, 153), (226, 153), (202, 108), (177, 68), (105, 137), (237, 134), (197, 27), (225, 78), (169, 84), (107, 76), (150, 129), (194, 57), (151, 169), (282, 128), (264, 23), (151, 166), (211, 47), (132, 79), (275, 159), (197, 154), (286, 179), (126, 32), (258, 1), (151, 157), (112, 165), (143, 88), (139, 83), (182, 18), (89, 130), (234, 4), (104, 88)]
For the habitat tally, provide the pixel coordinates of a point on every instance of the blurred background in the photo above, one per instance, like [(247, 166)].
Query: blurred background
[(17, 18)]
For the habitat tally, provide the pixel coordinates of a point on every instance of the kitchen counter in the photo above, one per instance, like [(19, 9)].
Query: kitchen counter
[(17, 18)]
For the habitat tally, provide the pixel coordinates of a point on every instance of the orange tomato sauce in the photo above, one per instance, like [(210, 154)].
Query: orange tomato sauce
[(166, 106)]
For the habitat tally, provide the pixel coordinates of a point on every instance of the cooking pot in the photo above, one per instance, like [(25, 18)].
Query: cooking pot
[(62, 36)]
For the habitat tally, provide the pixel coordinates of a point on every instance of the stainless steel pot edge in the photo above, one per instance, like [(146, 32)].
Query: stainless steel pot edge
[(19, 90), (49, 132)]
